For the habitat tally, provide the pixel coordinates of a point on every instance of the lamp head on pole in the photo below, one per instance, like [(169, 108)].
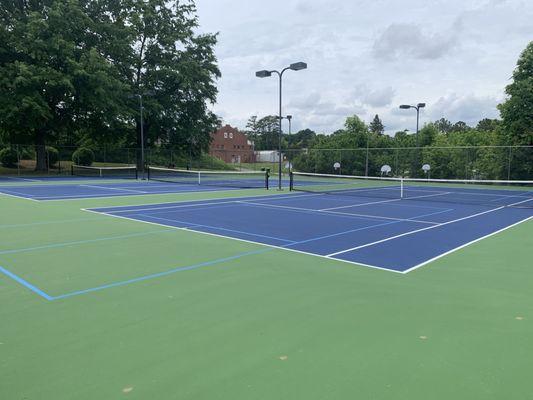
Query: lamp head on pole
[(421, 105), (263, 74), (289, 117), (298, 66), (405, 106)]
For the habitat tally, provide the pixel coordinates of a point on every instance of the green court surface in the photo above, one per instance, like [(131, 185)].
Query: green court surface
[(271, 324)]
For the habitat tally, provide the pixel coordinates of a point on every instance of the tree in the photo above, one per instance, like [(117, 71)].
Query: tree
[(302, 139), (488, 125), (53, 76), (175, 67), (460, 126), (264, 132), (517, 115), (443, 125), (77, 66), (376, 126)]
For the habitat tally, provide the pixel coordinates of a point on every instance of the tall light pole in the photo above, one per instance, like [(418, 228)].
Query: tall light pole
[(141, 108), (417, 108), (142, 135), (264, 74)]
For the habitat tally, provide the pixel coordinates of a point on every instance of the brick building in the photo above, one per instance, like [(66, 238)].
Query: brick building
[(231, 146)]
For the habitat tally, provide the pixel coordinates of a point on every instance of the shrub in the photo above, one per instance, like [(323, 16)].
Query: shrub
[(52, 156), (83, 156), (8, 157)]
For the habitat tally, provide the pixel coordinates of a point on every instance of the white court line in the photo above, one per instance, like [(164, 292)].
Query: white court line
[(245, 241), (387, 201), (464, 245), (359, 205), (418, 230), (23, 179), (15, 196), (91, 197), (196, 204), (113, 188), (357, 216), (328, 257)]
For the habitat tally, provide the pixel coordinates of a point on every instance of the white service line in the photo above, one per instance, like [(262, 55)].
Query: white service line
[(114, 188), (359, 205), (386, 201), (195, 203), (415, 231), (339, 213)]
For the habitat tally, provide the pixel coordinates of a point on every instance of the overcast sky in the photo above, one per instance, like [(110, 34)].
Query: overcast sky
[(366, 57)]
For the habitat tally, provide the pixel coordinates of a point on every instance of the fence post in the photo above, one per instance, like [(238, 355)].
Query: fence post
[(509, 163)]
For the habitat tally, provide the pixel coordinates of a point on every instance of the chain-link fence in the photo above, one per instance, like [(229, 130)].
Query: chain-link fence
[(467, 162)]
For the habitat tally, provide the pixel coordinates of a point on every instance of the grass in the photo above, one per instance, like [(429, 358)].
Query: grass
[(272, 325)]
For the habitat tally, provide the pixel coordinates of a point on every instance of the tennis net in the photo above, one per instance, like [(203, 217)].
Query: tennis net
[(232, 179), (482, 192), (104, 172)]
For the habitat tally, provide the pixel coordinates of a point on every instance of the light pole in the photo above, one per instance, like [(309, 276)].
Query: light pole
[(142, 135), (141, 108), (417, 108), (289, 118), (264, 74)]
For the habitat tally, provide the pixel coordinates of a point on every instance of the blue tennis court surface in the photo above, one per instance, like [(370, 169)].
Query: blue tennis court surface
[(94, 187), (395, 235)]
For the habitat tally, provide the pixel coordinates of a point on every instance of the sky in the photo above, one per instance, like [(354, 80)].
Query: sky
[(366, 57)]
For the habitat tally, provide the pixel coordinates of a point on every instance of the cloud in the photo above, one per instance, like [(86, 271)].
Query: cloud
[(467, 108), (407, 40), (379, 97), (366, 58), (321, 114)]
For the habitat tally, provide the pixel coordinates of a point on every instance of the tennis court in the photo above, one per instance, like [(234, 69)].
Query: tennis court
[(225, 291), (94, 182)]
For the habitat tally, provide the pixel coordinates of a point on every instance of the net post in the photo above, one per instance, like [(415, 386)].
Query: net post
[(291, 181), (267, 176), (199, 178), (147, 173), (72, 169), (401, 188)]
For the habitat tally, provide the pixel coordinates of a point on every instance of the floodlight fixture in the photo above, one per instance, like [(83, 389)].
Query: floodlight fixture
[(298, 66), (263, 74)]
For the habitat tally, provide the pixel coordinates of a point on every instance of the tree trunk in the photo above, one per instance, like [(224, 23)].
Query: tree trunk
[(40, 151)]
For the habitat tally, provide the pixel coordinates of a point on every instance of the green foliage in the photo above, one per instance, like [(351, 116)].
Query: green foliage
[(69, 71), (83, 156), (376, 126), (8, 157), (302, 139), (517, 111), (462, 153), (264, 132)]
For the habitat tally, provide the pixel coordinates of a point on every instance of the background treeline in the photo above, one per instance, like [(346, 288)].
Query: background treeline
[(72, 71), (494, 149)]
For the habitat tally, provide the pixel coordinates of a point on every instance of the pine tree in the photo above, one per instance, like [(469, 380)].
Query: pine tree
[(376, 126)]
